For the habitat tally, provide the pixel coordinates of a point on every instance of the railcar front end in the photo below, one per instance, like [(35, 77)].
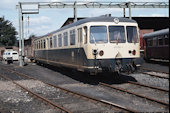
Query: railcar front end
[(112, 47)]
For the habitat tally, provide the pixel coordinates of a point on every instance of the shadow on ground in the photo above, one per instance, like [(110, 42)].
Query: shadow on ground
[(109, 78)]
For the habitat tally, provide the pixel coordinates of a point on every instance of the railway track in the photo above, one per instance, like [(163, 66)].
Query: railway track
[(166, 104), (36, 95), (153, 70), (144, 85), (150, 70), (110, 105)]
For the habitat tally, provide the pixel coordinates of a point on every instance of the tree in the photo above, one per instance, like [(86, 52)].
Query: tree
[(7, 33)]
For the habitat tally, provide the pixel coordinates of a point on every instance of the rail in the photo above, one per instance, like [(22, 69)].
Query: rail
[(76, 93)]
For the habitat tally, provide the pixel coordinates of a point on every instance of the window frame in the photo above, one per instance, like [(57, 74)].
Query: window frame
[(65, 38)]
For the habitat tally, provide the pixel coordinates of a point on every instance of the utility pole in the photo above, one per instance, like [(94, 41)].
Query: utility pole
[(20, 48), (75, 12), (129, 6), (124, 11)]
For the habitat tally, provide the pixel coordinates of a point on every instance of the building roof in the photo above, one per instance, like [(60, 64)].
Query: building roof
[(155, 23)]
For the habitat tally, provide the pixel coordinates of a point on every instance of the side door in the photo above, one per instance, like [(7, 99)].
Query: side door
[(80, 47), (47, 49)]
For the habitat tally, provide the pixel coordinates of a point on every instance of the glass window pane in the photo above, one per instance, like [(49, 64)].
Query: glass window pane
[(160, 41), (132, 36), (51, 44), (72, 37), (55, 41), (65, 39), (44, 44), (117, 34), (155, 41), (166, 40), (85, 35), (98, 34), (41, 44), (59, 40)]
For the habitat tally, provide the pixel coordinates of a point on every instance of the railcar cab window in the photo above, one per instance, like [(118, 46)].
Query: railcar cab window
[(117, 34), (72, 37), (85, 34), (59, 40), (98, 34), (132, 36)]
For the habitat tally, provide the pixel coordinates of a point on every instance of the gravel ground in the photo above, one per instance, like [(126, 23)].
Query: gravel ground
[(15, 100), (155, 66), (150, 80), (88, 85), (159, 74), (116, 97), (72, 103), (152, 93)]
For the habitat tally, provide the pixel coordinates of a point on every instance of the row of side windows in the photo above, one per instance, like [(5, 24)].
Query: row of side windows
[(53, 42), (158, 41), (63, 39)]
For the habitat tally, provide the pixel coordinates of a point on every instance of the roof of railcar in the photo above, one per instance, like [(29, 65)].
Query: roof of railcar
[(93, 19), (156, 33)]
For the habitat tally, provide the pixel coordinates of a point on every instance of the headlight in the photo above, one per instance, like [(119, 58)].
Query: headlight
[(95, 52)]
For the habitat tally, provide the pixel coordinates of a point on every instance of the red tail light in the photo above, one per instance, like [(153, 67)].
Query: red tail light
[(134, 52), (101, 53)]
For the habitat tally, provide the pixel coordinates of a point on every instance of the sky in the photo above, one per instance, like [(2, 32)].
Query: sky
[(52, 19)]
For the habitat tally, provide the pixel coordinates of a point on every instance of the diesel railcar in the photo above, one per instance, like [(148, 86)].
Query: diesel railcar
[(94, 45), (156, 45)]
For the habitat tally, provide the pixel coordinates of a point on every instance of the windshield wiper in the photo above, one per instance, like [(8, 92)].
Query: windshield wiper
[(93, 38)]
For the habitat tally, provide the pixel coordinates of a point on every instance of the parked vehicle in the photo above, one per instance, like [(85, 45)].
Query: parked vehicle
[(10, 54), (156, 45)]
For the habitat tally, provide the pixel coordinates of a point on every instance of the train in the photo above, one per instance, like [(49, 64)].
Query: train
[(156, 45), (93, 45)]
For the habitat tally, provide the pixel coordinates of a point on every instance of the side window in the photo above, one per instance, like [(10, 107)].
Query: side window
[(85, 34), (166, 40), (47, 43), (55, 41), (51, 42), (59, 40), (41, 44), (44, 44), (160, 41), (155, 41), (37, 44), (149, 42), (80, 35), (65, 39), (72, 37)]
